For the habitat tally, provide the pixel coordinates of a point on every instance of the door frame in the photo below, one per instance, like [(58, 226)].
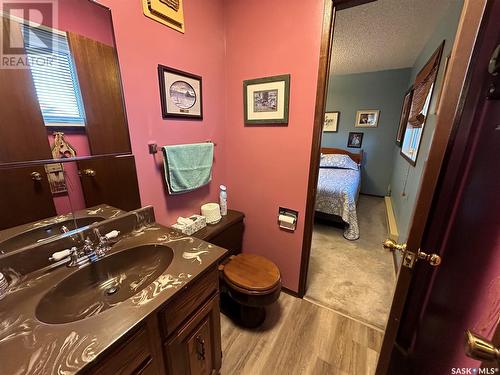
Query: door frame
[(449, 115)]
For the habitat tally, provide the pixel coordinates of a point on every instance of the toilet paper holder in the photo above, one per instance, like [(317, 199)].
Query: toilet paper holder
[(287, 219)]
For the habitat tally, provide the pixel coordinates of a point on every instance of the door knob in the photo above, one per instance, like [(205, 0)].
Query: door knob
[(479, 348), (408, 256), (36, 176), (88, 172)]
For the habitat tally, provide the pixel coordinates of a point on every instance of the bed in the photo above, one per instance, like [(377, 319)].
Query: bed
[(338, 188)]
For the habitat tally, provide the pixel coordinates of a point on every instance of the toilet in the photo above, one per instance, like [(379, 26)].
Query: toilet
[(249, 282)]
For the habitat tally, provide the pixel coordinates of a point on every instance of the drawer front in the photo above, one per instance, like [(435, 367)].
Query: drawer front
[(188, 300), (130, 358)]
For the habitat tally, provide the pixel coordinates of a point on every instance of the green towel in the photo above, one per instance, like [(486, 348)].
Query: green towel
[(188, 167)]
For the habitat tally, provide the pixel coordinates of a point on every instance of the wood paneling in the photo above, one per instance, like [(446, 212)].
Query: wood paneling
[(22, 199), (22, 130), (114, 182), (100, 84)]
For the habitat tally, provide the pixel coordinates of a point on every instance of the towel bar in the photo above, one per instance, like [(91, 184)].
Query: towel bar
[(153, 147)]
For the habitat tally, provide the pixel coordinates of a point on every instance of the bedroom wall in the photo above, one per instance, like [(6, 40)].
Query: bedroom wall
[(268, 166), (382, 90), (405, 180)]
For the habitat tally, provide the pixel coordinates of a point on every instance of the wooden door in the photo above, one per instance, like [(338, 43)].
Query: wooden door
[(100, 84), (111, 180), (195, 349), (428, 200), (25, 196), (464, 292), (22, 131)]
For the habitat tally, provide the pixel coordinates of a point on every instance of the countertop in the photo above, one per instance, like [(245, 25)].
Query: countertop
[(29, 346)]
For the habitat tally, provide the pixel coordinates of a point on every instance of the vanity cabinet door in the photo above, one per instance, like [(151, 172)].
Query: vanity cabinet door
[(196, 347)]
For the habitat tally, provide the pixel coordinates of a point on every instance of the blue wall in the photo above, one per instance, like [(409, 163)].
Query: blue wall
[(382, 90), (402, 171)]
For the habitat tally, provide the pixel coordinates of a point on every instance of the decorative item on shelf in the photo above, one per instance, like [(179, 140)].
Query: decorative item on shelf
[(367, 118), (181, 94), (403, 120), (266, 100), (355, 140), (168, 12), (62, 148), (55, 177), (211, 211), (331, 123), (191, 224)]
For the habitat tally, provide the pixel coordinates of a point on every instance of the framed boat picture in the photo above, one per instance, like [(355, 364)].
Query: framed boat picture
[(180, 93), (266, 100)]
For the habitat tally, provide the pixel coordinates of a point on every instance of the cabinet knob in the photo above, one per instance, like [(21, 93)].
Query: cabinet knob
[(36, 176), (88, 172)]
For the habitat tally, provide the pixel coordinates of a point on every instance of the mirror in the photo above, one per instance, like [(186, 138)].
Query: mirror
[(63, 86), (62, 99)]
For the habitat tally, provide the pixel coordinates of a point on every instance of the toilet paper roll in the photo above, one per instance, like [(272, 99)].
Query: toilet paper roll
[(285, 219)]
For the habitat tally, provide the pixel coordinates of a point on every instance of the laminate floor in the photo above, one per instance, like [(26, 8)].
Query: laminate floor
[(355, 278), (299, 337)]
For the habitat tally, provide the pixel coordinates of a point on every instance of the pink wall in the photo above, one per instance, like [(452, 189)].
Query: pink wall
[(268, 166), (142, 44)]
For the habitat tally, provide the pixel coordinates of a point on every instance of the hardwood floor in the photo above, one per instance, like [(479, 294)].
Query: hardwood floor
[(299, 337)]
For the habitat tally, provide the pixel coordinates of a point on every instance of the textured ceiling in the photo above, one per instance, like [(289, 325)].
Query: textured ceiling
[(385, 34)]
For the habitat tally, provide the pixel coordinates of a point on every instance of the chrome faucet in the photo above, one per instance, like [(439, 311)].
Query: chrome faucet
[(88, 252)]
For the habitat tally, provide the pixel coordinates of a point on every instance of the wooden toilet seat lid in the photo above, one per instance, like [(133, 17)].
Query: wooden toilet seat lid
[(252, 272)]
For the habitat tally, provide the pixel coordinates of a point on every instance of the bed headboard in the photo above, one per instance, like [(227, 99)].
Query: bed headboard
[(357, 157)]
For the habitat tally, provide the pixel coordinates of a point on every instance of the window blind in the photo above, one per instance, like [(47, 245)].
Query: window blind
[(54, 76)]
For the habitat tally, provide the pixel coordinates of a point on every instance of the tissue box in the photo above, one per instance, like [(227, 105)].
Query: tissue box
[(200, 222)]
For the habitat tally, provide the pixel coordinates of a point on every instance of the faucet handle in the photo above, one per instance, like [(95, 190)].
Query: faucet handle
[(112, 234), (57, 256)]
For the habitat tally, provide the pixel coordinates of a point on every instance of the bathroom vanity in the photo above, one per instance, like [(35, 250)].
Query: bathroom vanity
[(150, 305)]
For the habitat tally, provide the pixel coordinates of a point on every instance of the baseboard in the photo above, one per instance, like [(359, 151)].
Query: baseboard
[(372, 195), (393, 230), (290, 292)]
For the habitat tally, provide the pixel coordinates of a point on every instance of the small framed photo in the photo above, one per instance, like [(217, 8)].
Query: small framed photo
[(355, 140), (403, 120), (181, 94), (266, 100), (367, 119), (331, 121)]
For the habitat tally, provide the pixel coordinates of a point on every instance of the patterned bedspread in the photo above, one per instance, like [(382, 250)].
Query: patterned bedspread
[(337, 194)]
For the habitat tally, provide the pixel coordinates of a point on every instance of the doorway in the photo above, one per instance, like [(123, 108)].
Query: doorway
[(387, 67)]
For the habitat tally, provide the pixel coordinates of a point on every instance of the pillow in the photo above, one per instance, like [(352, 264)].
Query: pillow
[(337, 161)]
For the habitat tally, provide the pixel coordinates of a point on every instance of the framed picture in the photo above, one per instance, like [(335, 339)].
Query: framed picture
[(181, 94), (355, 140), (403, 120), (367, 119), (266, 100), (331, 121)]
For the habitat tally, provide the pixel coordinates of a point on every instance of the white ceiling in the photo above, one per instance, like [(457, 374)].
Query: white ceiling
[(385, 34)]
